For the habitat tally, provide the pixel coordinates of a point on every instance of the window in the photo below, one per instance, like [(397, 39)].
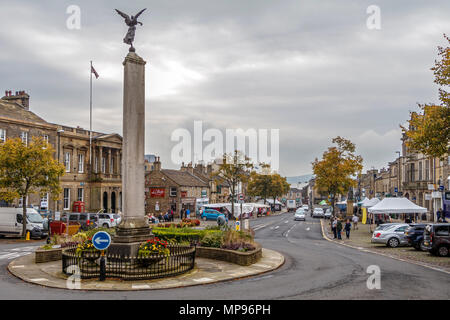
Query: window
[(173, 191), (80, 194), (420, 171), (441, 231), (66, 199), (401, 229), (111, 165), (24, 137), (96, 164), (45, 138), (67, 161), (80, 163), (2, 135), (103, 165)]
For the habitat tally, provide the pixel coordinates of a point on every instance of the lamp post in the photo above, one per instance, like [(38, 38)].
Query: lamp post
[(398, 174)]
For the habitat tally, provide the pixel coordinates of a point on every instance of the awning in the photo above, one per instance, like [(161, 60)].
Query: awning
[(396, 205)]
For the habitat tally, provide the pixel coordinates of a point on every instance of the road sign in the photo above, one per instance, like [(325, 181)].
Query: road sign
[(101, 240), (238, 225), (241, 197), (395, 189)]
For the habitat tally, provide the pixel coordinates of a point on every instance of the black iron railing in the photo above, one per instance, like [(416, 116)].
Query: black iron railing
[(87, 264)]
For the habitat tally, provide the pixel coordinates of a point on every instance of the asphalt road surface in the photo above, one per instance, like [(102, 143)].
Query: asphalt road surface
[(314, 269)]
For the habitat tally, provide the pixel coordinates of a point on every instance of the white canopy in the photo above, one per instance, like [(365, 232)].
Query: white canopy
[(396, 205), (370, 202), (269, 201), (246, 207)]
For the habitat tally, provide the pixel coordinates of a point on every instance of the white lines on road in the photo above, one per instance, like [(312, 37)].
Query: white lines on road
[(287, 221), (17, 252), (307, 229), (277, 227)]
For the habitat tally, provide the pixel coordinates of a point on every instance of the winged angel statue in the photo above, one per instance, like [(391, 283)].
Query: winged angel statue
[(131, 22)]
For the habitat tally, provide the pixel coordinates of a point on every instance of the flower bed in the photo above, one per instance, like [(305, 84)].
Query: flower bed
[(185, 223)]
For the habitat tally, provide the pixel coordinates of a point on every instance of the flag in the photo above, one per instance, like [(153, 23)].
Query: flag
[(94, 72)]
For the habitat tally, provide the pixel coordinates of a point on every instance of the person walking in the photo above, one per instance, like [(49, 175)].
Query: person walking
[(334, 227), (348, 227), (339, 229), (355, 222)]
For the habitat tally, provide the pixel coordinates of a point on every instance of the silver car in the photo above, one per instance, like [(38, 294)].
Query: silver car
[(318, 213), (300, 215), (392, 236)]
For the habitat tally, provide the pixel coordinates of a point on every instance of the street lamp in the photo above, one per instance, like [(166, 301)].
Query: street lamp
[(398, 174)]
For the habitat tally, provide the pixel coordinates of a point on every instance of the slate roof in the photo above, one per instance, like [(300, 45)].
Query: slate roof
[(184, 178), (13, 110)]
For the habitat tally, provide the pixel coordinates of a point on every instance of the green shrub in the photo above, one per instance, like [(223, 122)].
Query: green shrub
[(212, 239), (90, 233), (182, 235)]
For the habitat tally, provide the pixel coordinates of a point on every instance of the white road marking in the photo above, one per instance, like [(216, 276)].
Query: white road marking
[(277, 227), (286, 221), (17, 252), (307, 229), (19, 266)]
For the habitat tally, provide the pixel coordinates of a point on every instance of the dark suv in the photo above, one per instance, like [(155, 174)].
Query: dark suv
[(86, 220), (414, 235), (437, 239)]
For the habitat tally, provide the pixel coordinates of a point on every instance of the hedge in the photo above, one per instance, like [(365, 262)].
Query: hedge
[(181, 235)]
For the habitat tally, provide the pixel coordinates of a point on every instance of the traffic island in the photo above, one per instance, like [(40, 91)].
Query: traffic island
[(206, 271), (361, 239)]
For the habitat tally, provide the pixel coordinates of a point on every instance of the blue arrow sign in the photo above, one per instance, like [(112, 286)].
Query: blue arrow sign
[(101, 240)]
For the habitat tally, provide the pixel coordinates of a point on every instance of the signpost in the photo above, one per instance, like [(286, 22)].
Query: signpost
[(101, 241)]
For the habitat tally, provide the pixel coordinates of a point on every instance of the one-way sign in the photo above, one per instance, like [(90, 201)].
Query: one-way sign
[(101, 240)]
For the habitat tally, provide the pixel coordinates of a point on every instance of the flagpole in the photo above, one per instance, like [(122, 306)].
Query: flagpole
[(90, 121)]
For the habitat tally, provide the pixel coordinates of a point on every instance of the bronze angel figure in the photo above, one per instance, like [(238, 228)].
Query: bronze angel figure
[(131, 22)]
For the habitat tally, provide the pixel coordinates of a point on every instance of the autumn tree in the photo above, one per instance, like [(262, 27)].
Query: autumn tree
[(259, 182), (429, 129), (234, 170), (278, 186), (336, 170), (27, 169)]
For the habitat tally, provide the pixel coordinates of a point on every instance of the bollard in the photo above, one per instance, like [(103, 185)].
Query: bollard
[(102, 267)]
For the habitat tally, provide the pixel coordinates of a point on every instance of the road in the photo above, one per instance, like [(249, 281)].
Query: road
[(314, 269)]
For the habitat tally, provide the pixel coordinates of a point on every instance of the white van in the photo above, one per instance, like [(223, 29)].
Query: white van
[(291, 205), (11, 223)]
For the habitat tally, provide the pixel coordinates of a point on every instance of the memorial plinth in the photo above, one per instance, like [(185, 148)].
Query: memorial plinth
[(134, 227)]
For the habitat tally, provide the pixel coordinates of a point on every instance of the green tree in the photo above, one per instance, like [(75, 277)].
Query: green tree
[(278, 186), (335, 172), (429, 129), (233, 170), (27, 169), (259, 183)]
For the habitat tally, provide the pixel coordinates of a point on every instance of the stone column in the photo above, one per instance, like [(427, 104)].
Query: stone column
[(134, 227)]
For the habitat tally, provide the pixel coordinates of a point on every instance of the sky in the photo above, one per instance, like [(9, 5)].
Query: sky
[(311, 69)]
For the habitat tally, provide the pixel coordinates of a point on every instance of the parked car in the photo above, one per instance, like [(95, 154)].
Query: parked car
[(318, 213), (211, 214), (327, 214), (300, 215), (118, 218), (106, 220), (414, 235), (11, 223), (387, 225), (392, 236), (437, 239), (86, 220)]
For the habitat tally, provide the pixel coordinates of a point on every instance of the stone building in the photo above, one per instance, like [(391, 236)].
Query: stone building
[(95, 180), (173, 189)]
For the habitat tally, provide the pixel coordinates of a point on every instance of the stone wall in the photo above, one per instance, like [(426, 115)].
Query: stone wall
[(240, 258)]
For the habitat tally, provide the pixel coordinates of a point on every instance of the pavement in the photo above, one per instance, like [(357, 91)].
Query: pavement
[(361, 240), (206, 271)]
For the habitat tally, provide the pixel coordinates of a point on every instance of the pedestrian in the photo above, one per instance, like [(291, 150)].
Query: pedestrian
[(347, 227), (188, 213), (334, 227), (339, 229), (355, 220), (181, 213)]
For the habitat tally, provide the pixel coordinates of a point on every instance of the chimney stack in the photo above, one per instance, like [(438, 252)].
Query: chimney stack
[(21, 98)]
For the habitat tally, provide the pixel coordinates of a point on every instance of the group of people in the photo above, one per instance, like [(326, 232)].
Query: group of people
[(337, 226)]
